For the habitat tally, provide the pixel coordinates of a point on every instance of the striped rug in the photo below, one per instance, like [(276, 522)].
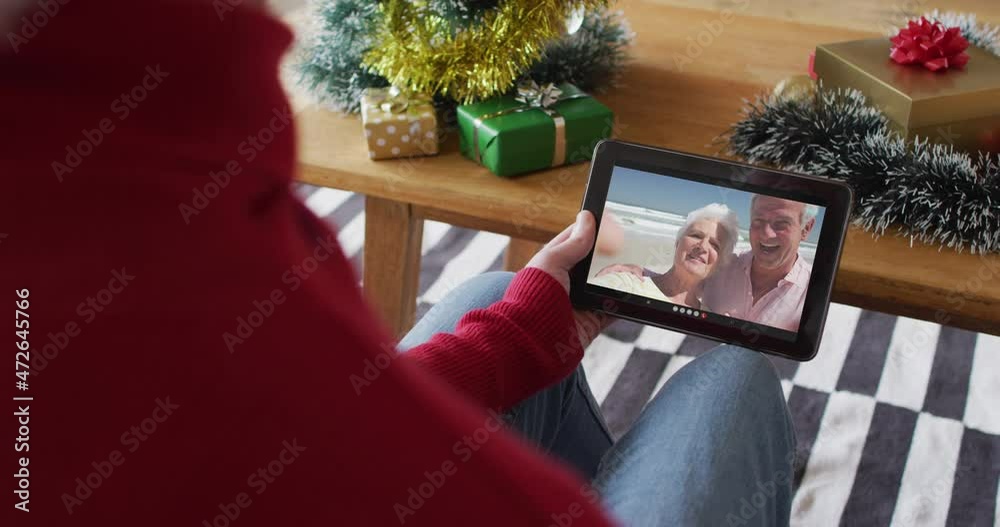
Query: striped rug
[(898, 420)]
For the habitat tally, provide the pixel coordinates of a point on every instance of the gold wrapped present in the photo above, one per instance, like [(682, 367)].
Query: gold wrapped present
[(956, 106), (398, 124)]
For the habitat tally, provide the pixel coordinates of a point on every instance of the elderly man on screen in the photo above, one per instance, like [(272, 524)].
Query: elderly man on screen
[(768, 283)]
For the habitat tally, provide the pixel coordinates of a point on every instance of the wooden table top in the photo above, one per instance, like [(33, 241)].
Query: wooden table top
[(681, 94)]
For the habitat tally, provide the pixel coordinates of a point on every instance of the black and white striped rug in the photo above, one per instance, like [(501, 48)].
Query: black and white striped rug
[(898, 420)]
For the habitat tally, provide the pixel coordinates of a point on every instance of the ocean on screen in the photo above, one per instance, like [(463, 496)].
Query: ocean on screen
[(650, 236)]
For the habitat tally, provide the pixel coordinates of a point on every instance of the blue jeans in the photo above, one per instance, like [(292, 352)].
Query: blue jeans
[(714, 447)]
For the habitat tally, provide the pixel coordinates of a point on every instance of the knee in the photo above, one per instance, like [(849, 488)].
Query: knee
[(743, 374), (744, 392)]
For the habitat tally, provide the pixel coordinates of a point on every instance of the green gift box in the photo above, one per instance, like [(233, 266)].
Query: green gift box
[(539, 127)]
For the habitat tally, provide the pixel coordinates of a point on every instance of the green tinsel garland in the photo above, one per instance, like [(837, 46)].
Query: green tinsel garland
[(329, 63)]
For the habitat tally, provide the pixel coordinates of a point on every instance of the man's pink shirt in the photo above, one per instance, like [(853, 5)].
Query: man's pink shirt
[(729, 293)]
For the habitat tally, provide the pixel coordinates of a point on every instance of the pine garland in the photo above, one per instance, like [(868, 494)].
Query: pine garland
[(330, 61), (932, 192), (592, 58), (462, 13)]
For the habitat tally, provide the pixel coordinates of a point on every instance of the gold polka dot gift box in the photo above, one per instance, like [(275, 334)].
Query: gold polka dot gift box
[(398, 124)]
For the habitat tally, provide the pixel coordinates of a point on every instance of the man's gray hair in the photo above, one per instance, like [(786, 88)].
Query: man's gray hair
[(808, 213)]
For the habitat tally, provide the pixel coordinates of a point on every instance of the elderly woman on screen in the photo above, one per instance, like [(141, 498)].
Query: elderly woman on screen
[(703, 244)]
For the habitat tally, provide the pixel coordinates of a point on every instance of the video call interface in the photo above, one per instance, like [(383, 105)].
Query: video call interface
[(706, 251)]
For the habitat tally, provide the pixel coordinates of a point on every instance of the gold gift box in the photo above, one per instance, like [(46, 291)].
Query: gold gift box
[(956, 106), (398, 125)]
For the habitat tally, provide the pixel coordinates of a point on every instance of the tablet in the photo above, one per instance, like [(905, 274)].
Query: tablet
[(735, 253)]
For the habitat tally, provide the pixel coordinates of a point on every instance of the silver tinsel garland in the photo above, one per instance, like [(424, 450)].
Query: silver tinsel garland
[(933, 193)]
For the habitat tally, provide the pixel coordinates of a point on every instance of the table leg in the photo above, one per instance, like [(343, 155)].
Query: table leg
[(518, 253), (392, 261)]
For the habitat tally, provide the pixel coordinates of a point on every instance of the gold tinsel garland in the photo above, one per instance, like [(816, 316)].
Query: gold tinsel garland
[(422, 52)]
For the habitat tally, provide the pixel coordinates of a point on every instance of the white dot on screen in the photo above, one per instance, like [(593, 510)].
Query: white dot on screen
[(390, 129), (380, 141)]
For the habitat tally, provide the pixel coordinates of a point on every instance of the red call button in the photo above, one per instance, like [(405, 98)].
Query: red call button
[(704, 315)]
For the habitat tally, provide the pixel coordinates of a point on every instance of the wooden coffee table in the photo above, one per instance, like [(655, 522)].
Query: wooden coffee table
[(692, 67)]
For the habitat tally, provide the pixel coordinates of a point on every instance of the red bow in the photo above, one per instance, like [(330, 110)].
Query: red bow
[(930, 44)]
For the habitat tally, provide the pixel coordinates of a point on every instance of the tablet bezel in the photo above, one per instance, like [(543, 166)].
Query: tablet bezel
[(835, 196)]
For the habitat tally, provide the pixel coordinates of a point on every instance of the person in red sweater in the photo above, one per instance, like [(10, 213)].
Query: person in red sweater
[(199, 353)]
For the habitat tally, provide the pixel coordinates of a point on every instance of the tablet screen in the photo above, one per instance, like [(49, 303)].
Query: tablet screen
[(723, 255)]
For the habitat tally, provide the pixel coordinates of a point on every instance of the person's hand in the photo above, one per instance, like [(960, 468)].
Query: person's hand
[(564, 251), (622, 268), (556, 259)]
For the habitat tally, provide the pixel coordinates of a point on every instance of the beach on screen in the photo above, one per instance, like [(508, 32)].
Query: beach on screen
[(650, 236)]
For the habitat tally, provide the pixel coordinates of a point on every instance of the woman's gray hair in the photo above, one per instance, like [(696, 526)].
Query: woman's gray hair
[(729, 224)]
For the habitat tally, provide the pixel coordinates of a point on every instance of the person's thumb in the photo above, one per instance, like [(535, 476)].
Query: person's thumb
[(580, 242)]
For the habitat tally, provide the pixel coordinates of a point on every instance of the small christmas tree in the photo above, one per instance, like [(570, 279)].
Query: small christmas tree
[(431, 47)]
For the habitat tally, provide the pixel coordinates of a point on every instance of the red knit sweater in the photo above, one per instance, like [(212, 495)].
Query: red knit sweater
[(200, 353)]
